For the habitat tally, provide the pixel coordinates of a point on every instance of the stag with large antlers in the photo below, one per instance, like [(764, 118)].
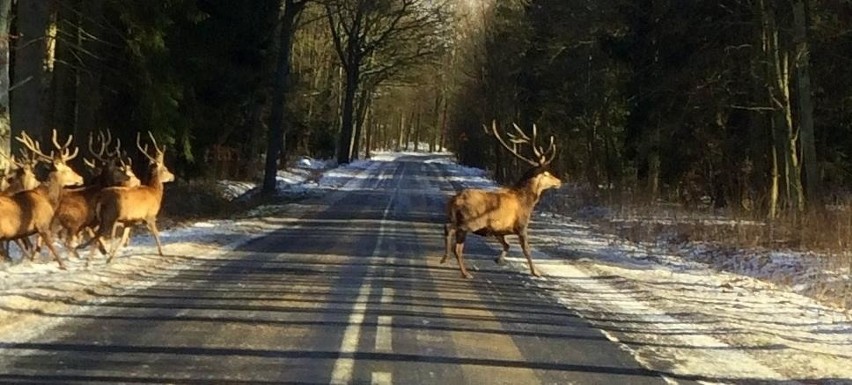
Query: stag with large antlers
[(503, 212), (31, 212), (126, 206), (76, 210)]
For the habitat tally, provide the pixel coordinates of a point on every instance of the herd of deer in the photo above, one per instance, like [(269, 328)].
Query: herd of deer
[(62, 205), (116, 198)]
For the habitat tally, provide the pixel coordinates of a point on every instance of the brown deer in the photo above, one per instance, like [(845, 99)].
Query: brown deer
[(31, 212), (76, 210), (503, 212), (129, 205), (19, 176)]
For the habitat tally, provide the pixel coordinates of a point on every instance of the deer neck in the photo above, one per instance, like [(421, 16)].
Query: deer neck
[(156, 184), (52, 189), (528, 192)]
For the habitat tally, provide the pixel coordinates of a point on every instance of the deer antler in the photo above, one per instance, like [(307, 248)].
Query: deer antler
[(33, 147), (160, 152), (145, 148), (63, 149), (543, 157), (104, 139), (11, 161)]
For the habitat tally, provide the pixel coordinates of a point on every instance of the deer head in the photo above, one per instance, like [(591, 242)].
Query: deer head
[(538, 176), (157, 161), (19, 175), (110, 168), (58, 160)]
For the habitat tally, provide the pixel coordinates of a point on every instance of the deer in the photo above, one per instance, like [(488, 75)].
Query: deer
[(76, 210), (126, 206), (503, 212), (15, 179), (19, 178), (31, 212)]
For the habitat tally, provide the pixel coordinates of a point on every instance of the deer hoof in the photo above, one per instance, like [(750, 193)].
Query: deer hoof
[(466, 275), (443, 260), (499, 260)]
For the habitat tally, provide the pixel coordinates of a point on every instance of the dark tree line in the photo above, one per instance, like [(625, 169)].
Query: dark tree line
[(745, 102), (229, 84)]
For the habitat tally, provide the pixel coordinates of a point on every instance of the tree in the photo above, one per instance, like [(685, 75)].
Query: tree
[(5, 119), (402, 32), (28, 97), (291, 11), (813, 189)]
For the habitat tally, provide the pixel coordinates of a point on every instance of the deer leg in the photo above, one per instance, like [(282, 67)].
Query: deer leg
[(49, 243), (38, 243), (501, 258), (460, 236), (113, 245), (449, 238), (26, 247), (93, 236), (525, 246), (71, 241), (125, 237), (152, 226), (96, 242)]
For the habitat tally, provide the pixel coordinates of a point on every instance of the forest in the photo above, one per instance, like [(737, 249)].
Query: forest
[(733, 104)]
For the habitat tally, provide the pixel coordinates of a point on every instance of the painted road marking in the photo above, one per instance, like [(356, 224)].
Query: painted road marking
[(342, 372), (381, 378), (383, 334), (387, 294)]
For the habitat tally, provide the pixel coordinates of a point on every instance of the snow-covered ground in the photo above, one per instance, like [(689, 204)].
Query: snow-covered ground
[(673, 310)]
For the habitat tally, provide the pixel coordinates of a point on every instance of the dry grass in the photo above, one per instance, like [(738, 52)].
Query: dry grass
[(733, 240), (205, 199)]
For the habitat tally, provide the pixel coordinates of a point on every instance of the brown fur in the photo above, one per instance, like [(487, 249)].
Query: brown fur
[(76, 209), (126, 206), (31, 212), (20, 178), (506, 211)]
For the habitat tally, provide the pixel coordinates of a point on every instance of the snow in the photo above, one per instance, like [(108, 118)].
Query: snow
[(692, 312)]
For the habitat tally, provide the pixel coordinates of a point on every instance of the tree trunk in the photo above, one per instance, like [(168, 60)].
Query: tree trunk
[(28, 104), (364, 100), (347, 120), (368, 137), (275, 146), (805, 104), (418, 127), (654, 162), (89, 81), (401, 131), (443, 127), (786, 162), (5, 121), (65, 73)]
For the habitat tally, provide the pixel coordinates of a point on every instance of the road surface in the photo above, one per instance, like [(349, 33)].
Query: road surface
[(350, 292)]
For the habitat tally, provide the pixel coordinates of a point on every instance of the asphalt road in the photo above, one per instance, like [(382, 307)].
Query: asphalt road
[(351, 294)]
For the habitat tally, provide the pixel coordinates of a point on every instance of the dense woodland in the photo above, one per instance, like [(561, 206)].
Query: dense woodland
[(745, 104)]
